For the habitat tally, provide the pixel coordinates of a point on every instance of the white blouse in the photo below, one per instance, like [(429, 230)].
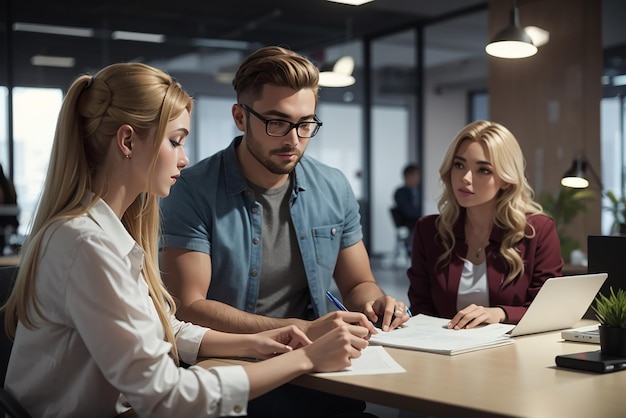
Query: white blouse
[(473, 286), (99, 338)]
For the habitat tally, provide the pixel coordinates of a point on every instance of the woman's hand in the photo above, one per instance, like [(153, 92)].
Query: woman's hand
[(335, 350), (331, 352), (332, 320), (276, 341), (475, 315)]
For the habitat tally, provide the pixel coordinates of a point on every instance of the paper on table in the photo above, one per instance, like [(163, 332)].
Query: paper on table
[(373, 360), (428, 333)]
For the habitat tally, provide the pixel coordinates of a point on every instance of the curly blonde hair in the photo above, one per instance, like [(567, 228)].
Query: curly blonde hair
[(93, 109), (513, 204)]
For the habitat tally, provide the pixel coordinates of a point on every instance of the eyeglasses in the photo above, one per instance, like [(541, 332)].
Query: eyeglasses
[(279, 127)]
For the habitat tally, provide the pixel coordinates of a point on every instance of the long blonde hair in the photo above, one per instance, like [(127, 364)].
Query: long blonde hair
[(92, 111), (512, 203)]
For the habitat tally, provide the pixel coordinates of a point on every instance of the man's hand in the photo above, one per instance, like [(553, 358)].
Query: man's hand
[(392, 312)]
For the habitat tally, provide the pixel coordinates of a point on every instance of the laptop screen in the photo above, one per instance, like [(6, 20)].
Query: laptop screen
[(560, 303)]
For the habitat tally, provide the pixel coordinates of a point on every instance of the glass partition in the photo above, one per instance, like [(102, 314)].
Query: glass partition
[(394, 130)]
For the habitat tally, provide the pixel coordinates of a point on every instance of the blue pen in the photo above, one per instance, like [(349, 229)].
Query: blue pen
[(338, 304), (334, 300)]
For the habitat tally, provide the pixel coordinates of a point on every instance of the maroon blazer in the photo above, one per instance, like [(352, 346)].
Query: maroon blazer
[(433, 291)]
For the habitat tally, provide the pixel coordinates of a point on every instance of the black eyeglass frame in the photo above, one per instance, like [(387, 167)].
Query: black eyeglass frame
[(316, 121)]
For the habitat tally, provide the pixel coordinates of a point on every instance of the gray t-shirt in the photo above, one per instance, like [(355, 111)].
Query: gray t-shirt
[(283, 290)]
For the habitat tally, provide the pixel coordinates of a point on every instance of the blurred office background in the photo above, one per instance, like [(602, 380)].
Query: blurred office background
[(421, 73)]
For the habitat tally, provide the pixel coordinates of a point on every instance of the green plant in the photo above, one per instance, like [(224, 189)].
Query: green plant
[(611, 310), (617, 209), (563, 207)]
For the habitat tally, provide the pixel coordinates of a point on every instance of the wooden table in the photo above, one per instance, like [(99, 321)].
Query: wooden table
[(518, 380), (9, 260)]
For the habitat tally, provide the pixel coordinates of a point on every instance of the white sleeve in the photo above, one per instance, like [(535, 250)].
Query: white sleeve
[(188, 339), (107, 302)]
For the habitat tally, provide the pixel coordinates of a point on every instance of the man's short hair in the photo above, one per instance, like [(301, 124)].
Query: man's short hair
[(410, 169), (275, 66)]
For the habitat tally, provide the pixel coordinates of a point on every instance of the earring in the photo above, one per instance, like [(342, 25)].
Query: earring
[(127, 156)]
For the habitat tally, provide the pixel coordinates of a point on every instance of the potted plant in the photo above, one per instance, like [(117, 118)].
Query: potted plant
[(611, 313), (563, 207), (618, 210)]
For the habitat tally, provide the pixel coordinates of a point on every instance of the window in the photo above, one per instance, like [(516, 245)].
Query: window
[(35, 112)]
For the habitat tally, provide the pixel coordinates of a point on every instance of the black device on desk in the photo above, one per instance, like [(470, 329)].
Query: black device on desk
[(591, 361), (606, 255)]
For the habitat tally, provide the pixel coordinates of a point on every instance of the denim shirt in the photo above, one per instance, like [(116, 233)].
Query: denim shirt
[(211, 209)]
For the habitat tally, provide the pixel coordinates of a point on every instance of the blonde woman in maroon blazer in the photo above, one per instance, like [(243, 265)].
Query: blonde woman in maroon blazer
[(493, 247)]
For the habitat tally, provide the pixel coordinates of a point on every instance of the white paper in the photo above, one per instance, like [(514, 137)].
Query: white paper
[(428, 333), (374, 360)]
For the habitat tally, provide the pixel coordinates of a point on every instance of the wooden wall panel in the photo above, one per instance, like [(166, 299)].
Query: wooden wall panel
[(551, 101)]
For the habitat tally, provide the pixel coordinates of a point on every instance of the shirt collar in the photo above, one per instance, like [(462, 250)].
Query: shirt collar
[(108, 221), (234, 179)]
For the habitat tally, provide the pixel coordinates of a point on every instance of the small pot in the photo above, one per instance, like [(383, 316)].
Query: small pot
[(613, 341)]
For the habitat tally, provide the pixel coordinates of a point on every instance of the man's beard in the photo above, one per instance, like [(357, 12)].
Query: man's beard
[(266, 161)]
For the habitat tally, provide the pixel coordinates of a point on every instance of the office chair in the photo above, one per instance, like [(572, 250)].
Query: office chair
[(402, 234), (8, 404)]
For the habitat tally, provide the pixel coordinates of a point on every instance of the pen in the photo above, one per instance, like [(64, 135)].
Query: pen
[(338, 304), (334, 300)]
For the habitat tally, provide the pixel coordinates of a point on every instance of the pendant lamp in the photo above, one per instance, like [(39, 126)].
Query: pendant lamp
[(340, 75), (512, 41), (576, 177)]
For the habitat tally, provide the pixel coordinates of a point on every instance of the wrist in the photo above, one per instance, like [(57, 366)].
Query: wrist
[(301, 360), (502, 315), (248, 346)]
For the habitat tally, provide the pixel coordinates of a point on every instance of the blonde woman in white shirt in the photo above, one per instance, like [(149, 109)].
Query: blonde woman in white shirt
[(94, 328)]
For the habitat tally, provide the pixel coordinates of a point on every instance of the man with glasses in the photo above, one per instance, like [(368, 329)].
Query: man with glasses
[(254, 235)]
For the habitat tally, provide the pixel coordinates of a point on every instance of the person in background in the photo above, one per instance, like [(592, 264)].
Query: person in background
[(407, 197), (8, 200), (493, 247), (408, 201), (254, 235), (93, 326)]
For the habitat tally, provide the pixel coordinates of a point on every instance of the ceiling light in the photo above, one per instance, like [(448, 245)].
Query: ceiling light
[(512, 41), (138, 36), (351, 2), (220, 43), (53, 29), (340, 75), (51, 61)]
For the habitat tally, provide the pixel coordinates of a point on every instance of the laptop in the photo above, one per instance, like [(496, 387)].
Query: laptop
[(588, 334), (560, 303)]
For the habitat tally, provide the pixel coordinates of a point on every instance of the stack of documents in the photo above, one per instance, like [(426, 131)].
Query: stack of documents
[(428, 333)]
